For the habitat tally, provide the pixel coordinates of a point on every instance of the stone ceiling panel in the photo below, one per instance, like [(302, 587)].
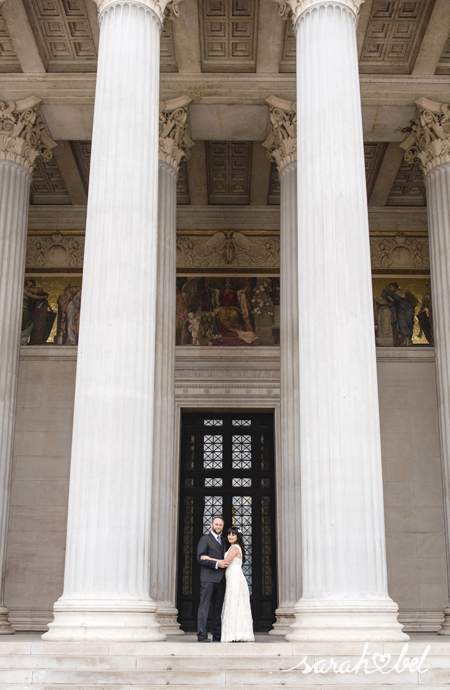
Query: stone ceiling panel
[(63, 34), (183, 197), (394, 35), (274, 186), (444, 63), (167, 51), (9, 62), (82, 154), (229, 165), (228, 35), (48, 185), (373, 157), (408, 188), (289, 50)]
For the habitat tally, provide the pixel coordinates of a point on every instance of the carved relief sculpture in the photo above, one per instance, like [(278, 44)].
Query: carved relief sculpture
[(56, 251), (399, 252), (226, 249)]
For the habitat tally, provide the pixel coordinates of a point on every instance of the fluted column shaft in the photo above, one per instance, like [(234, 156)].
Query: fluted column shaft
[(343, 540), (15, 183), (289, 551), (164, 483), (437, 184), (106, 585)]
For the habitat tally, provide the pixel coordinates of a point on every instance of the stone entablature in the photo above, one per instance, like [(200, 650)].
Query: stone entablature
[(429, 141), (227, 250), (399, 252), (23, 138)]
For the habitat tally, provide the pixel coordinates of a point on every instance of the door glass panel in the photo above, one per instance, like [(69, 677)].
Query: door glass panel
[(242, 518), (212, 452), (213, 507), (241, 452)]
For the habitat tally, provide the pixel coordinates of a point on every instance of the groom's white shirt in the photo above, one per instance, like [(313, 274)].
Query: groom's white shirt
[(215, 537)]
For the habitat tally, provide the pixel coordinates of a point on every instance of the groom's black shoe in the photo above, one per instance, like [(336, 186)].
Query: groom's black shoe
[(203, 640), (216, 639)]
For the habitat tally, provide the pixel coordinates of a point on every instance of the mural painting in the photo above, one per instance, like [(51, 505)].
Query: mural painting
[(51, 310), (228, 311), (403, 312)]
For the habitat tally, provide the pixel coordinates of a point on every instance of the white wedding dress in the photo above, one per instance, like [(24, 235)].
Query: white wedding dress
[(237, 622)]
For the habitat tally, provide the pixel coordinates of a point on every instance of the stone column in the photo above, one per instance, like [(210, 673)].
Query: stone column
[(344, 579), (106, 585), (429, 143), (281, 147), (23, 142), (174, 145)]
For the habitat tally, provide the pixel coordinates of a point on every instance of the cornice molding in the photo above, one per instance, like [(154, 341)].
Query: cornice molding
[(281, 144), (429, 141), (23, 138), (174, 141), (162, 8), (292, 9)]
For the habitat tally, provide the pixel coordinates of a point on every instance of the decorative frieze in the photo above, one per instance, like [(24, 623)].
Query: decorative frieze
[(55, 251), (228, 249), (429, 141), (281, 144), (174, 141), (23, 138), (399, 252)]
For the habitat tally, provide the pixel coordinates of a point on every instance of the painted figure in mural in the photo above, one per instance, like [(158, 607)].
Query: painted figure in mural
[(37, 315), (402, 304), (69, 304), (425, 316), (182, 313), (233, 313), (194, 325)]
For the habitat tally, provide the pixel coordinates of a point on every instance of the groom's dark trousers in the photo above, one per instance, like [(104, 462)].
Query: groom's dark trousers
[(212, 586)]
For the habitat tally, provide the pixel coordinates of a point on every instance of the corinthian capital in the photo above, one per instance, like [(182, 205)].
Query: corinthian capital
[(162, 8), (174, 141), (429, 141), (23, 138), (292, 9), (281, 144)]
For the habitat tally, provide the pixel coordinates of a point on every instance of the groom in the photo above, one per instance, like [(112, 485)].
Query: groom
[(212, 581)]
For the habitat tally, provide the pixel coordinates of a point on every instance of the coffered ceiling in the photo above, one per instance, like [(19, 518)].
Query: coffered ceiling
[(228, 56)]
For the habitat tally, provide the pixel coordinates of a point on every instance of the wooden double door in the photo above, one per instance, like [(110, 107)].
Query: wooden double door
[(227, 469)]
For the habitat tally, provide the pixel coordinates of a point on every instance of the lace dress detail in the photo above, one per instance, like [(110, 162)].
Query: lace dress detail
[(237, 622)]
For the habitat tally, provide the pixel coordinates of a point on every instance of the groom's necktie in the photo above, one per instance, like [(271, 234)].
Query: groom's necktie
[(219, 540)]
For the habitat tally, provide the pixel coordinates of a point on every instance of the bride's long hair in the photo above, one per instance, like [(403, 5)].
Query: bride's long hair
[(240, 540)]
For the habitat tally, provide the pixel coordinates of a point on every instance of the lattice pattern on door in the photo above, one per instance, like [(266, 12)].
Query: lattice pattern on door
[(242, 518), (227, 469)]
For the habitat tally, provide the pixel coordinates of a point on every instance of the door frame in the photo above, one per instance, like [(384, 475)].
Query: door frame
[(214, 406)]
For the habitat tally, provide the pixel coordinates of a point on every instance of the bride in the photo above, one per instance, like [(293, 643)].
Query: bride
[(237, 623)]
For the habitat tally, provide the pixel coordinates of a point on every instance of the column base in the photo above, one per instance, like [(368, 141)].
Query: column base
[(104, 620), (5, 627), (166, 616), (285, 619), (445, 630), (326, 620)]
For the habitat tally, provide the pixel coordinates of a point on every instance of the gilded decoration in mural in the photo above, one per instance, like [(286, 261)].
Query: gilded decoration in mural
[(51, 310), (226, 249), (227, 311), (403, 311)]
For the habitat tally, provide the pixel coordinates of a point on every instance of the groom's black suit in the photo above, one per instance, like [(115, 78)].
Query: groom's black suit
[(212, 586)]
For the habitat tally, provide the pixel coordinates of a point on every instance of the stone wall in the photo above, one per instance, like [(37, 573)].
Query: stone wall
[(411, 468)]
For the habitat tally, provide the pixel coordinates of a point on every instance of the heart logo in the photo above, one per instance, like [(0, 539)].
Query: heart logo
[(381, 661)]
